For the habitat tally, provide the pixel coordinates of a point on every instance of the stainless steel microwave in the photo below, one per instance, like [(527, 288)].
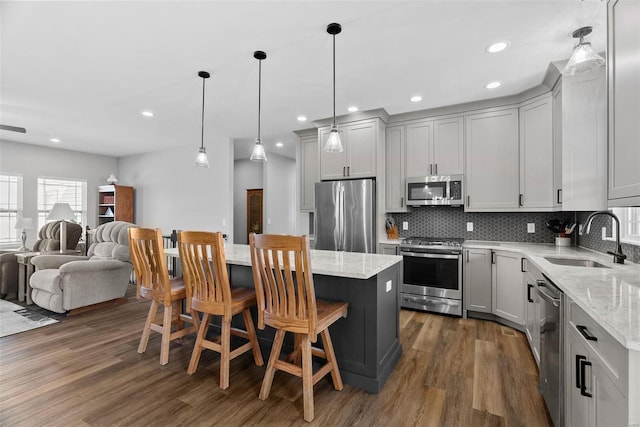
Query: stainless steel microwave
[(435, 190)]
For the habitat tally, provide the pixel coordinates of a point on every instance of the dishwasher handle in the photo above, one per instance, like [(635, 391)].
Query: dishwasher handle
[(550, 299)]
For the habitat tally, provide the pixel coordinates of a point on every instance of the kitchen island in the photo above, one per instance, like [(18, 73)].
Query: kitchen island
[(367, 341)]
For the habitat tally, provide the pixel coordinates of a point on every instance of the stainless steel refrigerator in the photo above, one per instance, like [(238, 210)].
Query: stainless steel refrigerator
[(346, 215)]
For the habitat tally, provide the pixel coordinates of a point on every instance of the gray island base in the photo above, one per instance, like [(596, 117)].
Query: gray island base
[(367, 341)]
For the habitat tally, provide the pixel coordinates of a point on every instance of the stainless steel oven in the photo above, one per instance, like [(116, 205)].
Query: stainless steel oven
[(432, 274)]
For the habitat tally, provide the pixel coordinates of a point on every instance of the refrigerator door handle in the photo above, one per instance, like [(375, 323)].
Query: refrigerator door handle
[(341, 218)]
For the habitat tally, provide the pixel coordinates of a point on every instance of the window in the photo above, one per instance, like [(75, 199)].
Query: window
[(10, 205), (629, 224), (53, 190)]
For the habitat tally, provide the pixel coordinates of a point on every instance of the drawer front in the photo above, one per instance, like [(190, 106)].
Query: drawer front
[(612, 355)]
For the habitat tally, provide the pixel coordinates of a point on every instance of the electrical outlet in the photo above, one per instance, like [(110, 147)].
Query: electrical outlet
[(224, 222), (405, 225), (268, 221), (469, 226), (531, 227), (389, 285)]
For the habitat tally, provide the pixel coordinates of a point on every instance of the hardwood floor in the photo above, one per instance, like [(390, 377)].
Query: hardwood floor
[(85, 371)]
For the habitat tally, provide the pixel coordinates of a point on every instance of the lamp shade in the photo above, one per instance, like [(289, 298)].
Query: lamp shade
[(584, 59), (61, 211), (24, 224), (258, 154), (112, 179)]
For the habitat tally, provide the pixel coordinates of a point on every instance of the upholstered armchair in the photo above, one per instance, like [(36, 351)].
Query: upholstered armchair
[(48, 241), (65, 282)]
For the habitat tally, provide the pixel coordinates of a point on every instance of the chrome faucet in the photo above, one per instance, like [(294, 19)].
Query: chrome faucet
[(618, 256)]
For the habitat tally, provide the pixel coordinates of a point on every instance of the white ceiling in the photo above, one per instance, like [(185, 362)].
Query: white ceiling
[(83, 71)]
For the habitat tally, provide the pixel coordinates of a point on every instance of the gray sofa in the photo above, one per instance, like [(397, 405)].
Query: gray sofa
[(64, 282), (48, 240)]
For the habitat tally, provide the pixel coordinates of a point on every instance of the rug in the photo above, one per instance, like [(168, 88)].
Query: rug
[(15, 319)]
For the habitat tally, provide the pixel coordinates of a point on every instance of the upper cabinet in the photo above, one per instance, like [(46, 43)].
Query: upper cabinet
[(492, 159), (539, 186), (584, 141), (394, 169), (359, 158), (623, 45), (435, 147), (309, 168)]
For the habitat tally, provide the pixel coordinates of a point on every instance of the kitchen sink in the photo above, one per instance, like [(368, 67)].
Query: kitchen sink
[(575, 262)]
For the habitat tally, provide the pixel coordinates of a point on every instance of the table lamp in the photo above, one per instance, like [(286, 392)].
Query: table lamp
[(62, 211), (24, 224)]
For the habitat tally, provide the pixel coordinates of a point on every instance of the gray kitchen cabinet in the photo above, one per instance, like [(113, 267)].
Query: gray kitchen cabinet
[(477, 280), (537, 185), (584, 141), (507, 290), (533, 310), (358, 160), (309, 168), (492, 160), (623, 45), (435, 147), (388, 248), (596, 375), (394, 169)]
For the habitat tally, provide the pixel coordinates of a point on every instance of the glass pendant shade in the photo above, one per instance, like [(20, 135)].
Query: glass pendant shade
[(584, 59), (334, 144), (258, 154), (201, 158)]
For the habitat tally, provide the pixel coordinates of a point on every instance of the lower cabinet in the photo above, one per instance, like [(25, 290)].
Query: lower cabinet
[(532, 311), (507, 291), (388, 248), (598, 388), (477, 280)]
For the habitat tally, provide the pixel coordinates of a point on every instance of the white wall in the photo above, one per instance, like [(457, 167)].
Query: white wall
[(246, 175), (33, 161), (170, 193), (280, 195)]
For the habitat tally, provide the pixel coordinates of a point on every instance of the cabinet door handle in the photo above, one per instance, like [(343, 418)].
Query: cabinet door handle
[(436, 169), (344, 171), (583, 372), (348, 170), (430, 168), (493, 257), (585, 333), (579, 359), (467, 257), (559, 196), (468, 201), (529, 286), (520, 199), (402, 202), (522, 269)]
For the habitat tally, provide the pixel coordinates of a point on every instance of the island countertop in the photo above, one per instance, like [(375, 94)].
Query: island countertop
[(353, 265), (611, 296)]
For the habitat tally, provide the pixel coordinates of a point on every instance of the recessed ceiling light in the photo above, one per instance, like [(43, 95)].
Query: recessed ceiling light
[(416, 98), (497, 47), (147, 113), (493, 85), (54, 140), (302, 118), (352, 109), (279, 144)]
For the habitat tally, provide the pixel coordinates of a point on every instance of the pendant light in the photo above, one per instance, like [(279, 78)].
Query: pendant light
[(584, 58), (334, 144), (258, 154), (201, 157)]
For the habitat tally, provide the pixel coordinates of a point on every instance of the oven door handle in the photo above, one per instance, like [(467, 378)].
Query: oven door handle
[(426, 255)]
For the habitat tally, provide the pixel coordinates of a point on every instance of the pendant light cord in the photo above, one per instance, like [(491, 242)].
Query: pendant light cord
[(334, 80), (202, 121), (259, 95)]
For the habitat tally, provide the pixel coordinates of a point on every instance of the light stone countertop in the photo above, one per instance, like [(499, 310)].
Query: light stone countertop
[(611, 296), (329, 263)]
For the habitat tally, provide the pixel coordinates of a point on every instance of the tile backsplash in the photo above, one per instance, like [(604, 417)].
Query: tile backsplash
[(445, 221)]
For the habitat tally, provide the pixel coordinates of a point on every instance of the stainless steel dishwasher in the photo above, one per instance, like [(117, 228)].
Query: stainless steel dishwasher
[(551, 324)]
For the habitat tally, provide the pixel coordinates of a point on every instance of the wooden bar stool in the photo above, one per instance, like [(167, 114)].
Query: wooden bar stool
[(212, 295), (152, 278), (287, 302)]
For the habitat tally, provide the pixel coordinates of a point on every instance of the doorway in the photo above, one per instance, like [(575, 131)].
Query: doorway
[(254, 211)]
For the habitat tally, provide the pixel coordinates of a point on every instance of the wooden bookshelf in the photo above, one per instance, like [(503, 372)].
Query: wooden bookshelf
[(115, 203)]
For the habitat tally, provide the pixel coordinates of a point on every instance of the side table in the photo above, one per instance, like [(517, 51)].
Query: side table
[(25, 270)]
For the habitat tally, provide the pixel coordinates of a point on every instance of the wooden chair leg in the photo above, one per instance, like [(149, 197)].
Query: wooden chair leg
[(253, 338), (275, 355), (225, 354), (197, 348), (331, 358), (166, 334), (307, 379), (295, 356), (144, 340), (178, 311), (195, 319)]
